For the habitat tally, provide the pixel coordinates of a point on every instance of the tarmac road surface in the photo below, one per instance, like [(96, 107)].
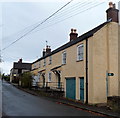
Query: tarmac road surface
[(19, 103), (0, 98)]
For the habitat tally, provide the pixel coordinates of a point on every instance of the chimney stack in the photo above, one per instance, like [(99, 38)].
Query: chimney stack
[(20, 60), (48, 49), (112, 13), (73, 34)]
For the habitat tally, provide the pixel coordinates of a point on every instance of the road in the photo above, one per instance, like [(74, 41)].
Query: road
[(0, 98), (19, 103)]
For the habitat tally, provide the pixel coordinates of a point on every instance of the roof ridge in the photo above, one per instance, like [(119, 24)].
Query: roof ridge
[(79, 39)]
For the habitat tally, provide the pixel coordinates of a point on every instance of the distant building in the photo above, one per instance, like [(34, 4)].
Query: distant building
[(19, 68), (86, 66)]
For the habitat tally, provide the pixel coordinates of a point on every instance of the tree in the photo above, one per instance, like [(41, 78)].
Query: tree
[(6, 77), (26, 80)]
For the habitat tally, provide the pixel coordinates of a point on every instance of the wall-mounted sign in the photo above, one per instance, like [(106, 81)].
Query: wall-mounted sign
[(110, 74)]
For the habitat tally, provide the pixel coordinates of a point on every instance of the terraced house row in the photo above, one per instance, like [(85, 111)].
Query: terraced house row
[(87, 67)]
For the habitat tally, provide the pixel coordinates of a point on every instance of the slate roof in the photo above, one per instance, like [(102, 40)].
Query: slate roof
[(79, 39), (26, 66)]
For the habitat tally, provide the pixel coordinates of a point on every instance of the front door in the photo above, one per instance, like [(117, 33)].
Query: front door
[(71, 88), (82, 89)]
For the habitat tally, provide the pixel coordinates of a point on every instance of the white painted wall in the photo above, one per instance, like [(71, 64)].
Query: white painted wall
[(35, 80)]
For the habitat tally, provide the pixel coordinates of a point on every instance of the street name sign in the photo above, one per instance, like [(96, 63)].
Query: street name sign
[(110, 74)]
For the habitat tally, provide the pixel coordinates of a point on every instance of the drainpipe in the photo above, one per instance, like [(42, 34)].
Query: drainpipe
[(86, 71)]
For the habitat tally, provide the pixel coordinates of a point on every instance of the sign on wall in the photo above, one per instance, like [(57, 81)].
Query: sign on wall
[(110, 74)]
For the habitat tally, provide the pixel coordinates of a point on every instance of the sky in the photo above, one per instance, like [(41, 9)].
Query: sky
[(18, 17)]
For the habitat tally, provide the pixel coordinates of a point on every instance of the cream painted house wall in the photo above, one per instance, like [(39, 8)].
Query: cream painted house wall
[(90, 70), (102, 58), (119, 59), (97, 67), (72, 68), (113, 59)]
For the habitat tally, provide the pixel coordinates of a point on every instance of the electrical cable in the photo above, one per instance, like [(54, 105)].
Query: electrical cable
[(69, 16), (55, 17), (37, 25), (49, 25)]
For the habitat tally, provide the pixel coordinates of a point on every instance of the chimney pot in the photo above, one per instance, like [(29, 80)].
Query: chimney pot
[(75, 30), (111, 4), (72, 30), (73, 34), (20, 60), (48, 49), (114, 6)]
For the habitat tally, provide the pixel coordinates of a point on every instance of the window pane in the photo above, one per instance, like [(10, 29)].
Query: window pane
[(64, 58), (80, 51), (49, 77)]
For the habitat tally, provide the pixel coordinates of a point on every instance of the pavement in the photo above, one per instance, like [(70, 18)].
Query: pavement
[(100, 110), (90, 108)]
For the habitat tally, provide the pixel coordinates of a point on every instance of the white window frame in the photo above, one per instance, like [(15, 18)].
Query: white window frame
[(50, 59), (80, 52), (49, 77), (35, 65), (64, 57)]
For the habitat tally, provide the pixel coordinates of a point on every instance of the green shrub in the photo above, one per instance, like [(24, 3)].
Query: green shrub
[(26, 80), (6, 77)]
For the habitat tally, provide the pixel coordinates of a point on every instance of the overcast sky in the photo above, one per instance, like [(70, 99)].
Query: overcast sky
[(17, 18)]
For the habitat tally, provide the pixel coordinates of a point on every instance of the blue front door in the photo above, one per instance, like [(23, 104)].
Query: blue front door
[(82, 89), (70, 88)]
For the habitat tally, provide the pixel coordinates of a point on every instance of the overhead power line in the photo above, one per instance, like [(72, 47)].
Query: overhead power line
[(70, 15), (82, 8), (61, 14), (38, 25)]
